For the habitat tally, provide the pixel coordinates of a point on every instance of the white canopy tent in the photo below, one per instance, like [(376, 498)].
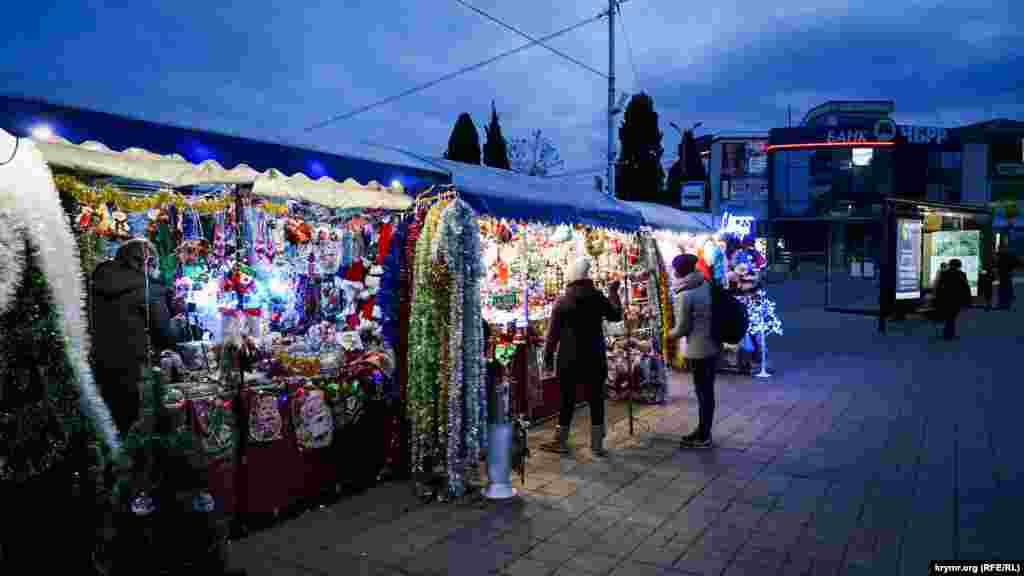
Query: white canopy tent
[(175, 171)]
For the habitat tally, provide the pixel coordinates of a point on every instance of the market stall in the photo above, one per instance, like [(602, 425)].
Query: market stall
[(730, 256), (530, 229), (286, 370)]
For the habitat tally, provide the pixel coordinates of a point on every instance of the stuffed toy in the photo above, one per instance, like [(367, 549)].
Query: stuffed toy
[(119, 226), (86, 218), (595, 242), (105, 224), (297, 231)]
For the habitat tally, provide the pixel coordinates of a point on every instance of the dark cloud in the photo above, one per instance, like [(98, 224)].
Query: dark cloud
[(270, 69)]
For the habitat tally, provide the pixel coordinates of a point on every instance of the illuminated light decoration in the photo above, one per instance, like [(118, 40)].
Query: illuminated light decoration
[(737, 225), (837, 144), (761, 312), (43, 132), (316, 169), (280, 287), (396, 183), (201, 152)]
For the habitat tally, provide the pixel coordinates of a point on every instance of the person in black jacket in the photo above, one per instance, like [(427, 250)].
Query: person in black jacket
[(1006, 261), (952, 295), (119, 319), (576, 331)]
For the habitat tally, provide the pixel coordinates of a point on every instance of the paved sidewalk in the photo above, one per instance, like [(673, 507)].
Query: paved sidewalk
[(864, 454)]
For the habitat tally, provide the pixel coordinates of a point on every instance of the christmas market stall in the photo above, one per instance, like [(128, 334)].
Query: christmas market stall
[(531, 229), (283, 380), (731, 257)]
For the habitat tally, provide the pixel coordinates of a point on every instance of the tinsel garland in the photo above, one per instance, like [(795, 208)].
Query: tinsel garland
[(441, 323), (94, 196), (424, 345), (450, 249), (653, 292), (474, 367), (34, 202)]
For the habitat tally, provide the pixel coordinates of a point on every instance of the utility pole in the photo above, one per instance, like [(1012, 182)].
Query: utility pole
[(611, 96)]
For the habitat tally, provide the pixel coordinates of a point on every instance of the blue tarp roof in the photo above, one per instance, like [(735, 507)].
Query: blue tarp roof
[(668, 218), (19, 116), (507, 194)]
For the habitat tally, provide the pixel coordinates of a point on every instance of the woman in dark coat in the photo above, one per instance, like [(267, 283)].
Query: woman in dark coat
[(576, 330), (952, 295), (120, 329)]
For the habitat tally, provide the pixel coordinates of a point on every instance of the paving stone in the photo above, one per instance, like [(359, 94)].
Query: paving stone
[(592, 562), (770, 561), (550, 552), (575, 538), (703, 562), (529, 567), (636, 569), (658, 556)]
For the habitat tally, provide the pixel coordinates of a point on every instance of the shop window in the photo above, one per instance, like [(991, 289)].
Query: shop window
[(726, 189), (863, 156)]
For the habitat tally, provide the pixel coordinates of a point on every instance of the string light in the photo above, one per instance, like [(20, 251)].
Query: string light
[(761, 312)]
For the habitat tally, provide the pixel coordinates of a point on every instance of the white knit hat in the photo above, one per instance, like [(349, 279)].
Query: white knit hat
[(580, 269)]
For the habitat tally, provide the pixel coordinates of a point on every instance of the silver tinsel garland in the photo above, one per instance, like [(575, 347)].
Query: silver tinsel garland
[(475, 369), (30, 199), (450, 245)]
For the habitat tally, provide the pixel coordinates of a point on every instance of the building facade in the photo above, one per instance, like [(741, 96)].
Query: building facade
[(993, 173), (845, 157), (738, 175)]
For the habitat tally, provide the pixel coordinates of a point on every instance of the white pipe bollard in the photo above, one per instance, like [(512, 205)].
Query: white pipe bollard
[(764, 359)]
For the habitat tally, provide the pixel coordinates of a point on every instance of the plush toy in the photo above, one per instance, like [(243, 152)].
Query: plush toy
[(120, 228), (86, 218), (595, 242), (105, 225), (713, 259), (297, 231)]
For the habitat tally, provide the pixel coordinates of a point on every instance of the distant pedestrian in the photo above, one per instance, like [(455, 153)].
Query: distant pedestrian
[(935, 282), (952, 296), (985, 284), (693, 321), (1006, 262)]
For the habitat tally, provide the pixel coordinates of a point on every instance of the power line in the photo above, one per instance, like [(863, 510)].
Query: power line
[(451, 75), (629, 49), (531, 38)]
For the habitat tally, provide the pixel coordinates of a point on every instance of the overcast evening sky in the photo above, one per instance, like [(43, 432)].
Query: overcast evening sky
[(267, 70)]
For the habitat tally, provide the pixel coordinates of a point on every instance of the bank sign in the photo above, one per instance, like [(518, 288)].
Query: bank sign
[(886, 130), (880, 131)]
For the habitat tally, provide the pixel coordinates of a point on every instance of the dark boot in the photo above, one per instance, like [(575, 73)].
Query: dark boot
[(597, 442), (560, 443)]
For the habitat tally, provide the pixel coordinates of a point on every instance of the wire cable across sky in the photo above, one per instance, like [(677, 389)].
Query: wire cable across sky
[(451, 75), (507, 26)]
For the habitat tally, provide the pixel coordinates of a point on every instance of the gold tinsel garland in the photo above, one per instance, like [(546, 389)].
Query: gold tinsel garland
[(93, 196)]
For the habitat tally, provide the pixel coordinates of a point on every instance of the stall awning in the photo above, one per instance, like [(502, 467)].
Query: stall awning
[(662, 217), (507, 194), (175, 171)]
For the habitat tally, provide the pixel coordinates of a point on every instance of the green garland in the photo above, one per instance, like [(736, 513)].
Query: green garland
[(424, 346)]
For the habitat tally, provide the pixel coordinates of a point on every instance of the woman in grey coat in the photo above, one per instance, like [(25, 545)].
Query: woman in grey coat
[(693, 321)]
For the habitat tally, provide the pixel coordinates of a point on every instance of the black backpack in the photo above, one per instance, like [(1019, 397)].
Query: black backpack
[(729, 320)]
